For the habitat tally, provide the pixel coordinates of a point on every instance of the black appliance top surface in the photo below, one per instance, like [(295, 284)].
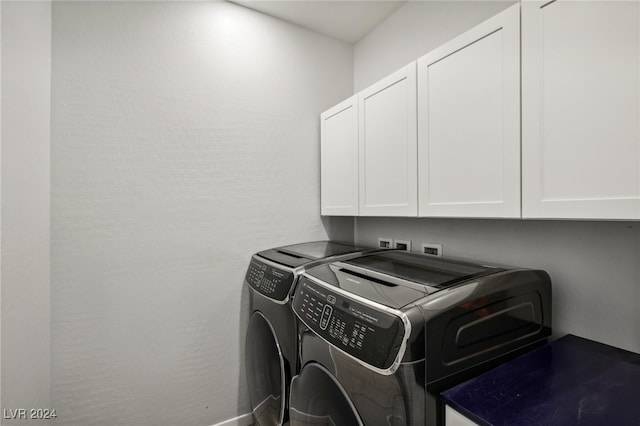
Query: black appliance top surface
[(300, 254), (430, 271), (396, 279)]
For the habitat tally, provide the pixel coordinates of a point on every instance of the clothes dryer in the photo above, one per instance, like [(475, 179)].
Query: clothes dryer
[(270, 350), (381, 335)]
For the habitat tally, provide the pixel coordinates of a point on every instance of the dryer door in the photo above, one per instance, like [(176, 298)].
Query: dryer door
[(265, 372), (317, 399)]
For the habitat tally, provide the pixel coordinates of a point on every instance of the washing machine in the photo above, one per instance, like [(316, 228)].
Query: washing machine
[(381, 335), (270, 351)]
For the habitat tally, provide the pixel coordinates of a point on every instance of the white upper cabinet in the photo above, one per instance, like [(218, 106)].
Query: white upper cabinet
[(452, 144), (580, 109), (339, 159), (388, 146), (469, 122)]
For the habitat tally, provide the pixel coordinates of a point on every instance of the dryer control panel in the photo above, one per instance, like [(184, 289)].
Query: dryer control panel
[(368, 334), (268, 280)]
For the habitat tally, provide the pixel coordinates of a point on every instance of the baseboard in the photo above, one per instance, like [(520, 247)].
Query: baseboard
[(243, 420)]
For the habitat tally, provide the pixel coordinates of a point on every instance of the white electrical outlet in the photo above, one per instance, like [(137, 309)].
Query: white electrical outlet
[(431, 249), (385, 242), (402, 245)]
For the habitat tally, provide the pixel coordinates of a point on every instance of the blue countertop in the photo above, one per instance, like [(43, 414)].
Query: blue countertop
[(571, 381)]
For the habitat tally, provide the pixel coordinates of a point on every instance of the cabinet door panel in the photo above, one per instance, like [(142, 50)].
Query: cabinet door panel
[(454, 418), (581, 110), (339, 159), (388, 146), (469, 122)]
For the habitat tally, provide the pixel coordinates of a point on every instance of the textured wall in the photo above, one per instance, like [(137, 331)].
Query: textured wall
[(25, 298), (185, 137), (414, 30), (594, 265)]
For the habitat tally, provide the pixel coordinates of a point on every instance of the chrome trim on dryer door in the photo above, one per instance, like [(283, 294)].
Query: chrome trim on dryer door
[(403, 317), (282, 372), (345, 395)]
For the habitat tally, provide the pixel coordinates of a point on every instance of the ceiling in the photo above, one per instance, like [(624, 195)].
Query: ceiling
[(348, 20)]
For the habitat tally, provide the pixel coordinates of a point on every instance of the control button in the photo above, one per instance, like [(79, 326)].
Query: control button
[(331, 299), (326, 314)]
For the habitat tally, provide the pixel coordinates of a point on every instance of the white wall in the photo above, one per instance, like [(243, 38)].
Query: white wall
[(594, 265), (1, 207), (412, 31), (185, 137), (25, 201)]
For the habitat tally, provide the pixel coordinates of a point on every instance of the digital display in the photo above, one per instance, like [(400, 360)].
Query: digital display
[(372, 336), (272, 282)]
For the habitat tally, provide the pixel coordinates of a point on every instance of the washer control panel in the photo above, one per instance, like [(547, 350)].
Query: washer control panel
[(270, 281), (371, 335)]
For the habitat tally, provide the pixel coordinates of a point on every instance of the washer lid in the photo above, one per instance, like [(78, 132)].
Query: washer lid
[(396, 279), (300, 254), (433, 272)]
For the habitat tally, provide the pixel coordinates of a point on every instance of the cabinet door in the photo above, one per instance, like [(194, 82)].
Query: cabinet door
[(453, 418), (580, 109), (469, 122), (339, 159), (388, 146)]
